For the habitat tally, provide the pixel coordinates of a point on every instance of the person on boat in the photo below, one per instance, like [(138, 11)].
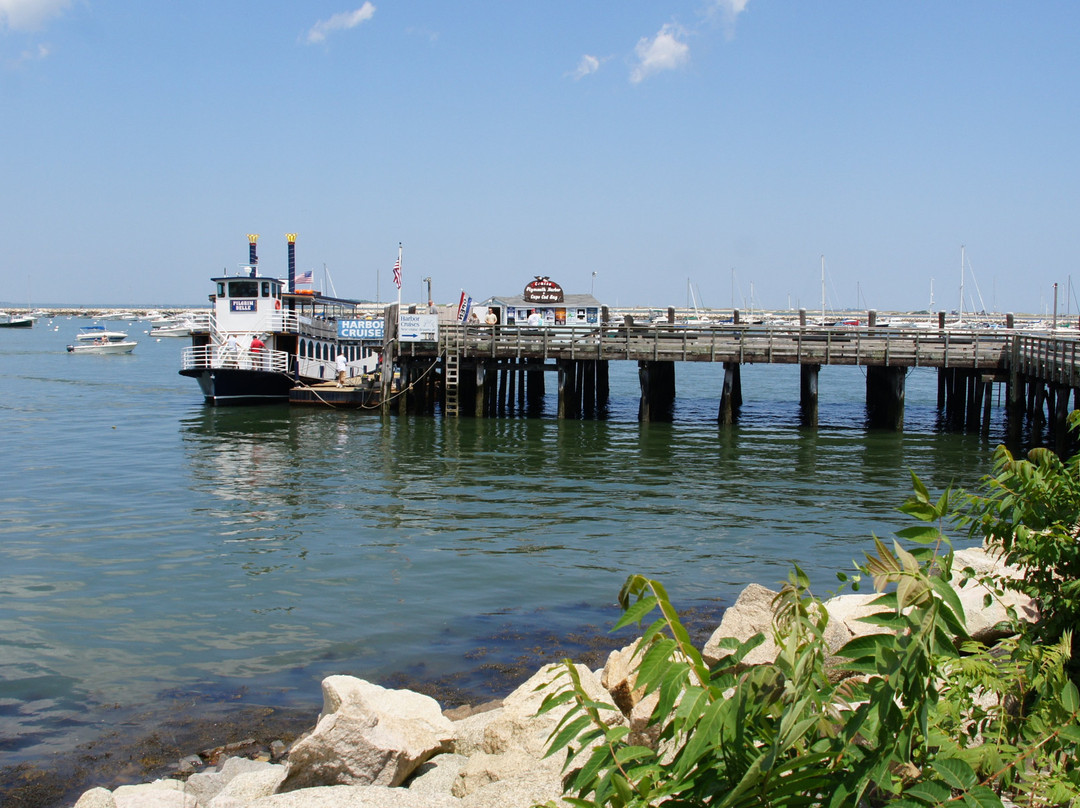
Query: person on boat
[(256, 348), (342, 365), (232, 350)]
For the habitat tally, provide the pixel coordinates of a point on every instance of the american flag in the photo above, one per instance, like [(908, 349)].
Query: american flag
[(305, 277), (397, 272)]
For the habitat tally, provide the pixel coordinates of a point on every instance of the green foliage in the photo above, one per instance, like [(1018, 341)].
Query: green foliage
[(920, 716), (1031, 509)]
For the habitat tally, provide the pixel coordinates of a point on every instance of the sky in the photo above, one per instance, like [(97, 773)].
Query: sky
[(660, 153)]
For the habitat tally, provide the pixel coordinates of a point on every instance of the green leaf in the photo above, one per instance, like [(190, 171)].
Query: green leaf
[(923, 534), (930, 791), (636, 613), (1070, 698), (955, 772), (982, 797)]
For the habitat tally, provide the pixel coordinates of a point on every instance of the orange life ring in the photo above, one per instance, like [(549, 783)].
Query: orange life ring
[(277, 304)]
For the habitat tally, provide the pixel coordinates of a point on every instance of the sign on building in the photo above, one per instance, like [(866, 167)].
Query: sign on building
[(360, 329), (418, 327), (543, 290)]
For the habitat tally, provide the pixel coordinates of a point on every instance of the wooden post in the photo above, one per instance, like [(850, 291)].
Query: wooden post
[(603, 388), (885, 397), (481, 389), (808, 394), (730, 395)]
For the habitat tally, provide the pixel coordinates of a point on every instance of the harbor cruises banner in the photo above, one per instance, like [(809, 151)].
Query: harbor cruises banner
[(360, 329)]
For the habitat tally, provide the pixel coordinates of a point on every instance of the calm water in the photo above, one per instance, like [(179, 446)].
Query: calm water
[(149, 544)]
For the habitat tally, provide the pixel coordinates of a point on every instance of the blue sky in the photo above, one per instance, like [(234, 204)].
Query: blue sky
[(723, 145)]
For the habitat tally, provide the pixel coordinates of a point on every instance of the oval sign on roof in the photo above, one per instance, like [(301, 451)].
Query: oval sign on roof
[(543, 290)]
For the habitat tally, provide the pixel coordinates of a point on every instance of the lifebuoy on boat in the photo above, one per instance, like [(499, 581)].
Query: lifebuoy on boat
[(277, 304)]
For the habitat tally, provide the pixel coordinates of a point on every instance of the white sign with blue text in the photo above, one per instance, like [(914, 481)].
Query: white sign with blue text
[(418, 327), (360, 329)]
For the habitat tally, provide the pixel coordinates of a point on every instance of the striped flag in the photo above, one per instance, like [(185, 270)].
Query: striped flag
[(397, 272), (305, 277)]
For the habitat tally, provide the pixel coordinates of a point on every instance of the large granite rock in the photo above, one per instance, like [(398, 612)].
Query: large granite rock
[(356, 797), (367, 735)]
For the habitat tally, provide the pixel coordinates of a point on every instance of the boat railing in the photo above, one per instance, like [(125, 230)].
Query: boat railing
[(209, 357)]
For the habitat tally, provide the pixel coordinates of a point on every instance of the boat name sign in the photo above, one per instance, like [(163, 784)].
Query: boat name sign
[(242, 304)]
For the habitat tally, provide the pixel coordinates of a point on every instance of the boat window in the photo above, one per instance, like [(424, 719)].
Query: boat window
[(266, 289), (220, 289), (318, 350), (243, 288)]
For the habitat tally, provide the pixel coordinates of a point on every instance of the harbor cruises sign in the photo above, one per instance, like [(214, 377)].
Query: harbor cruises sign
[(543, 290), (360, 329)]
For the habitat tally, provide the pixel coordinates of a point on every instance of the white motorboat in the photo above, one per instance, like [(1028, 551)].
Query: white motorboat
[(103, 347), (181, 328), (97, 333)]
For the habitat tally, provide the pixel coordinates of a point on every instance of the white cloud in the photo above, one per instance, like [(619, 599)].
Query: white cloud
[(339, 22), (665, 51), (588, 64), (729, 10), (30, 15)]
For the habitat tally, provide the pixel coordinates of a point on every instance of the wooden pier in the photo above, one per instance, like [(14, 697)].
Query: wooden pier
[(489, 371)]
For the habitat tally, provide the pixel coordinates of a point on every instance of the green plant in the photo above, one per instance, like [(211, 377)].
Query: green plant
[(1030, 508), (902, 727)]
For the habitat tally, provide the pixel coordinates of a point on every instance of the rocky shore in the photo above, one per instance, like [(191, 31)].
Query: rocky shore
[(374, 747)]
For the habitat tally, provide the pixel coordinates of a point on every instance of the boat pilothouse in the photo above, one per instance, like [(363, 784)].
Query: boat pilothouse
[(262, 338)]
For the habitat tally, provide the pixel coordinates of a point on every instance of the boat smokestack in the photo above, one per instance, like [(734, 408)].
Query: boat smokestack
[(253, 259), (292, 261)]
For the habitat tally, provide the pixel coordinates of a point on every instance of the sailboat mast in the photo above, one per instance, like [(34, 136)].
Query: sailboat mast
[(823, 290), (960, 311)]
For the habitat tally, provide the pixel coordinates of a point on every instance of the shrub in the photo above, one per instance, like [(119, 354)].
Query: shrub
[(905, 728)]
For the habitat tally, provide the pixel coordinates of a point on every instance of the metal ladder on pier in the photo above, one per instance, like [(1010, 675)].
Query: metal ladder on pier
[(451, 366)]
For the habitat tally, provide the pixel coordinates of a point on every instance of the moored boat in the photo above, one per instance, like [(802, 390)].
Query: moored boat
[(98, 333), (263, 337), (103, 347), (16, 321)]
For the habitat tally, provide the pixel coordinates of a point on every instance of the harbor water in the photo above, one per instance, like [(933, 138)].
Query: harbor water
[(150, 545)]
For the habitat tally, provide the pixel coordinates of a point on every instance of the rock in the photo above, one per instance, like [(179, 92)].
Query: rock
[(367, 735), (158, 794), (988, 624), (469, 732), (437, 776), (466, 710), (207, 785), (247, 786), (355, 797), (517, 726), (620, 677), (483, 769), (751, 613), (522, 792), (96, 798)]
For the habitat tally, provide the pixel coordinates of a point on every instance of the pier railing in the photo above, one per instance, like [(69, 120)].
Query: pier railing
[(1050, 358), (908, 347)]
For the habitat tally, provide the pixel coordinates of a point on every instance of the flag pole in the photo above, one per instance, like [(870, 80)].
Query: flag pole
[(397, 278)]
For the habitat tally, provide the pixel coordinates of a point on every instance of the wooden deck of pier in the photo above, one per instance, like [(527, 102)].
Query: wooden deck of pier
[(488, 371)]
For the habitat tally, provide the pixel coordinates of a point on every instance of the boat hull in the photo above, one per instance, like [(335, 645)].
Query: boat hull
[(227, 386), (107, 348), (24, 322)]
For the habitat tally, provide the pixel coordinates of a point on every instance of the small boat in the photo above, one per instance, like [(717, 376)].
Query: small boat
[(103, 347), (17, 321), (97, 333), (178, 328)]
